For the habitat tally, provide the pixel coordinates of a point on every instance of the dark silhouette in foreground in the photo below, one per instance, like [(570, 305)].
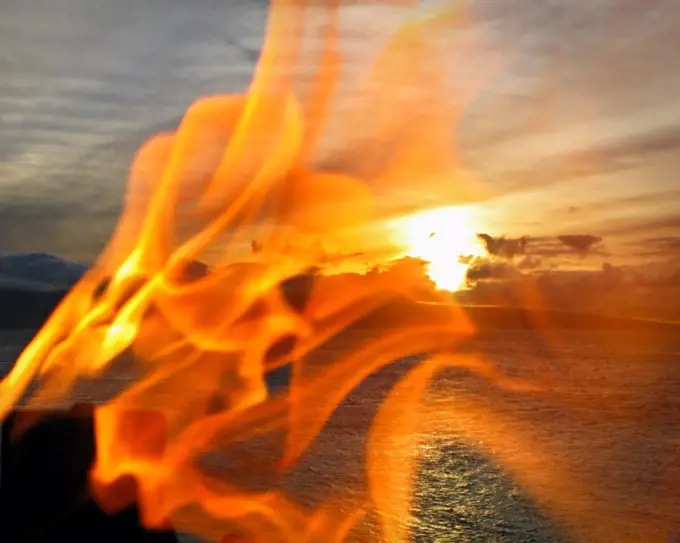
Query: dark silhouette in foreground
[(44, 493)]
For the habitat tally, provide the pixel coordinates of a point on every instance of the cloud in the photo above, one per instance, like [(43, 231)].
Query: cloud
[(529, 263), (610, 289), (71, 208), (581, 243), (541, 247), (488, 270), (503, 247), (666, 246), (669, 243), (66, 228), (664, 223)]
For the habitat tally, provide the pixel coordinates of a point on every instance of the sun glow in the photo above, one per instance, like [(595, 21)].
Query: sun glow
[(445, 238)]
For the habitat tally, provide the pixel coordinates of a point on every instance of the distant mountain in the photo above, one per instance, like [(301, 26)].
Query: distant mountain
[(38, 271)]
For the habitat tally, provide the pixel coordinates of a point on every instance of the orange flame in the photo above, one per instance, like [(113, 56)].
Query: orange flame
[(203, 338)]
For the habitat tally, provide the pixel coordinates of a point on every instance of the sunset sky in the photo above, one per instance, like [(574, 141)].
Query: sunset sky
[(576, 134)]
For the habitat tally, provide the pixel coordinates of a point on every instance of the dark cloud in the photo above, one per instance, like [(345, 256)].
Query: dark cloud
[(580, 243), (487, 270), (503, 247), (541, 247)]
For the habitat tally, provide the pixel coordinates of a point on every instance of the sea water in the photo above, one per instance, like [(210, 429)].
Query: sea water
[(463, 494)]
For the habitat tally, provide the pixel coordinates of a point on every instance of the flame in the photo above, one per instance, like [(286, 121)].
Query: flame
[(202, 338)]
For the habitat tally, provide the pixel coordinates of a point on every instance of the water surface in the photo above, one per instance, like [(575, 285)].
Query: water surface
[(463, 493)]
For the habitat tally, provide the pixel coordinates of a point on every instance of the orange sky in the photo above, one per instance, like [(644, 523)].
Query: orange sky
[(575, 134)]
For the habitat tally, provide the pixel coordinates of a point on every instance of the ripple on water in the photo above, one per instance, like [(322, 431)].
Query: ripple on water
[(462, 496)]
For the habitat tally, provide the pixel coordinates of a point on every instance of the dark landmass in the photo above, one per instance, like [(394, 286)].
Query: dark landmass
[(28, 310)]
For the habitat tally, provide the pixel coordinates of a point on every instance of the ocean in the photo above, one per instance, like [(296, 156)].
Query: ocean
[(502, 466)]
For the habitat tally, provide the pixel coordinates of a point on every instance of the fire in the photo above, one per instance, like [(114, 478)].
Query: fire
[(445, 238), (203, 337)]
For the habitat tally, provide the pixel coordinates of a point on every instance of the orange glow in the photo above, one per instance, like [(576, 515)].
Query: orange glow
[(445, 238), (196, 436)]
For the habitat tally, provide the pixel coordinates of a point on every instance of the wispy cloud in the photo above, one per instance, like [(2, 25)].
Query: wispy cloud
[(577, 132)]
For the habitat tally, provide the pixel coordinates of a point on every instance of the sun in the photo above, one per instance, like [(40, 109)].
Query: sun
[(443, 237)]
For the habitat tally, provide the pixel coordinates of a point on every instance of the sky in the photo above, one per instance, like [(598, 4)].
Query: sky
[(576, 133)]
